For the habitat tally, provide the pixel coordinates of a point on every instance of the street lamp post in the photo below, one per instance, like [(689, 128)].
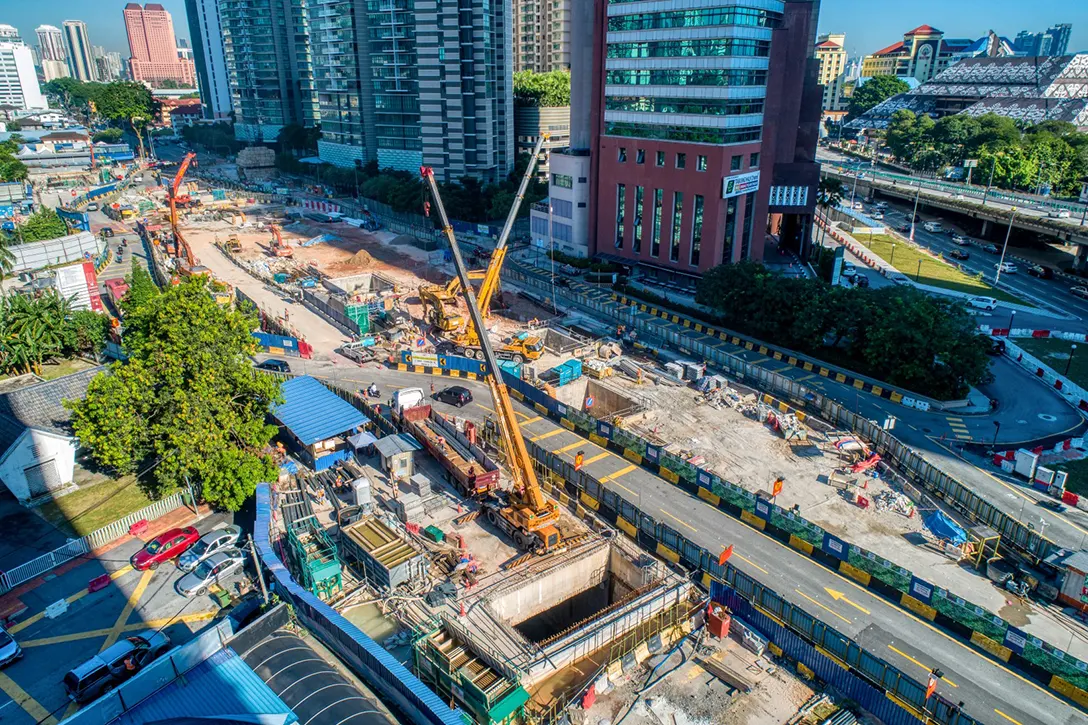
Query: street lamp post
[(914, 216), (1012, 316), (997, 429), (1072, 351), (993, 168), (892, 261), (1004, 248), (854, 190), (918, 273)]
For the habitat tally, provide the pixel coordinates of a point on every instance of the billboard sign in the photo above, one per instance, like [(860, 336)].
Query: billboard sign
[(740, 184)]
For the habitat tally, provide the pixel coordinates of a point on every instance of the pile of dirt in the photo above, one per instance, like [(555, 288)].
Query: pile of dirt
[(361, 258)]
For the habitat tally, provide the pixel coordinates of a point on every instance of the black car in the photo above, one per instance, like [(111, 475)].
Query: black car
[(106, 232), (958, 254), (455, 395), (861, 281), (1052, 505), (997, 346), (991, 248), (1038, 270), (278, 366)]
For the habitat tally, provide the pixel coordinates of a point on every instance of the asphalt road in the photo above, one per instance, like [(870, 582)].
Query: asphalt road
[(905, 641)]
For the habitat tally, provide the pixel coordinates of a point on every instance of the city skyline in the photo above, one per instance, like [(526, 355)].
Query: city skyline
[(105, 21), (963, 19)]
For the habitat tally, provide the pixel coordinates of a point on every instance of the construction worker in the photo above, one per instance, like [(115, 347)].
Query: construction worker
[(432, 388), (578, 460)]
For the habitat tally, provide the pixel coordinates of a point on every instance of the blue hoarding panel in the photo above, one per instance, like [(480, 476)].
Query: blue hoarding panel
[(836, 547), (921, 589)]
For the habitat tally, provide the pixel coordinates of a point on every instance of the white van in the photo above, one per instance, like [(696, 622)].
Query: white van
[(408, 398), (934, 227)]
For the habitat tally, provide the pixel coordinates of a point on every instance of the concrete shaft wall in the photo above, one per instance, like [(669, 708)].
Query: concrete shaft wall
[(552, 587)]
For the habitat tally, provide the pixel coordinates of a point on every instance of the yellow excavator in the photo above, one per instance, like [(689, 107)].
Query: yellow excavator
[(525, 515)]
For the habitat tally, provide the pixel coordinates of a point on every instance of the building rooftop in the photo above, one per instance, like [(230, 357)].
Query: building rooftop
[(828, 44), (314, 413), (400, 443), (41, 406), (893, 48), (924, 30)]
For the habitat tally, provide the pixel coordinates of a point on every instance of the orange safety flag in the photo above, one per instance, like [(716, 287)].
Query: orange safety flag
[(777, 489), (578, 461), (932, 686), (726, 553)]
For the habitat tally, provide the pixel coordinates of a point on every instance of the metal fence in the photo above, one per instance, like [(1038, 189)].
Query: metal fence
[(85, 544)]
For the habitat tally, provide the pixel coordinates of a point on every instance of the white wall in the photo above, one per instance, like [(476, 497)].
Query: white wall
[(18, 79), (32, 448)]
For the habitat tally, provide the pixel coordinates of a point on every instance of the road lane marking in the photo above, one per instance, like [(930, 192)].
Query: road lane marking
[(839, 596), (678, 520), (595, 458), (21, 698), (533, 420), (62, 638), (158, 623), (821, 606), (572, 446), (622, 472), (549, 434), (750, 562), (133, 600), (908, 658), (1013, 721), (623, 487), (74, 598)]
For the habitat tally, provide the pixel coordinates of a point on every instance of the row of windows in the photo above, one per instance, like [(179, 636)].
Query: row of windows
[(562, 208), (686, 77), (708, 107), (677, 223), (751, 17), (682, 159), (691, 134), (690, 48)]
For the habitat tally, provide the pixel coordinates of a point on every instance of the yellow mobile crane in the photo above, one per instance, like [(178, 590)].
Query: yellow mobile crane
[(464, 339), (526, 515)]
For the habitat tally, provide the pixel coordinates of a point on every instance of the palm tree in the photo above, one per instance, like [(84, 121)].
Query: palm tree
[(37, 329), (829, 195)]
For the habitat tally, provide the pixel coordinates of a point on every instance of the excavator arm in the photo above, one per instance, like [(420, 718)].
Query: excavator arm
[(533, 509), (173, 190)]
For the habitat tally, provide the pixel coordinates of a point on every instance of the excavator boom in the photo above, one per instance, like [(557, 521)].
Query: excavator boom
[(173, 190), (536, 511)]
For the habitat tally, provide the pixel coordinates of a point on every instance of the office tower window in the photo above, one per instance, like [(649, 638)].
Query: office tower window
[(621, 210), (681, 160), (636, 243), (696, 230), (623, 155), (640, 156), (734, 163), (700, 163), (563, 181), (677, 222), (730, 229), (655, 239), (753, 161), (749, 216)]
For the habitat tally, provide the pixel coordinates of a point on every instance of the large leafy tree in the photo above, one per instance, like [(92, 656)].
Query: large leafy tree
[(43, 224), (186, 405), (875, 91), (34, 330), (542, 89), (11, 168), (141, 290), (127, 103)]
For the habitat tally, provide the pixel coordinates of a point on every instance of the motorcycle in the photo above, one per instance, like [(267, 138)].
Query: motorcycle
[(372, 392)]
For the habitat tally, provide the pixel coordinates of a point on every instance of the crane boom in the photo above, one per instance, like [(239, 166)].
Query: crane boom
[(173, 190), (532, 508), (491, 278)]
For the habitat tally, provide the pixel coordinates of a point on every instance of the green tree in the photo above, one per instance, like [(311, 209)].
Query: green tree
[(295, 138), (186, 404), (141, 290), (542, 89), (91, 330), (7, 260), (41, 225), (35, 330), (127, 103), (873, 92), (108, 135), (829, 194)]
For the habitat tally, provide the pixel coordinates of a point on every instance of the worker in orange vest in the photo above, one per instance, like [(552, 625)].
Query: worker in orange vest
[(578, 461)]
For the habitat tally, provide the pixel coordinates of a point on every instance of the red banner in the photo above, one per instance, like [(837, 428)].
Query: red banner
[(92, 286)]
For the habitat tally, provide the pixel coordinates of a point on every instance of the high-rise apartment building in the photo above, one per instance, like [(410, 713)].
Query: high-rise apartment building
[(153, 47), (269, 65), (542, 35), (50, 42), (831, 53), (408, 83), (209, 57), (108, 63), (705, 121), (18, 80), (1051, 42), (9, 34), (78, 50)]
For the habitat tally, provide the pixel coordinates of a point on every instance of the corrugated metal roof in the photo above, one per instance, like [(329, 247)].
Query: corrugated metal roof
[(222, 687), (314, 413), (391, 445), (41, 406)]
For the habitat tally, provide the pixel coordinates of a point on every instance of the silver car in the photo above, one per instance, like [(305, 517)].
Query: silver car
[(209, 543), (9, 648), (213, 570), (114, 665)]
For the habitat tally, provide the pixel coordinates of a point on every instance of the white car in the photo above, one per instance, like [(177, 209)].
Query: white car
[(859, 206), (849, 270), (959, 239), (213, 570), (983, 303), (877, 215), (209, 543), (1059, 214), (1006, 267)]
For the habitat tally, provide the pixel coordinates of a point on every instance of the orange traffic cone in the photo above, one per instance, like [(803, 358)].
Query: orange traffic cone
[(462, 609)]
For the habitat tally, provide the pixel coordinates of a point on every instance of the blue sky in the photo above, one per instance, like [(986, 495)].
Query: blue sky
[(874, 24), (105, 23), (869, 24)]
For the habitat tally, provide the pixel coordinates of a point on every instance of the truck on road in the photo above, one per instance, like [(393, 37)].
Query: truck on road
[(470, 470)]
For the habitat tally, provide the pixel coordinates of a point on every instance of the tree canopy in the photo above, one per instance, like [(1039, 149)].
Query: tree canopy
[(11, 168), (35, 330), (873, 92), (186, 405), (42, 224), (1051, 153), (107, 135), (296, 138), (923, 343), (542, 89)]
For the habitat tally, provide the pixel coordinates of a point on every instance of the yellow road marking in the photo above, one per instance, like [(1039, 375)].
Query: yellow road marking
[(596, 458), (907, 657), (1014, 722), (157, 623), (549, 434), (623, 487), (133, 600), (678, 520), (839, 596), (533, 420), (750, 562), (75, 597), (30, 706), (821, 606), (610, 478), (571, 447), (60, 639)]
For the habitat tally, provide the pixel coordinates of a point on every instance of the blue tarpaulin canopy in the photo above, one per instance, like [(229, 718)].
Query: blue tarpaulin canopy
[(944, 527), (314, 413)]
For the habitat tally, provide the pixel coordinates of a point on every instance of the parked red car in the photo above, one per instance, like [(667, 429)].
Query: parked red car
[(164, 547)]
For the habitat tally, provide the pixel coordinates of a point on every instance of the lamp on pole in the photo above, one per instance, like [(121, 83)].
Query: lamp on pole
[(854, 190), (997, 429), (1004, 248), (918, 273), (892, 261), (914, 216), (1072, 351), (1012, 316), (993, 168)]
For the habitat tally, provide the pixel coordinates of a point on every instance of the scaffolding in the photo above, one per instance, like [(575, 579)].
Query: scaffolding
[(312, 553)]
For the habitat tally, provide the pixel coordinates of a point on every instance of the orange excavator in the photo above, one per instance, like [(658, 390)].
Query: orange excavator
[(278, 248), (172, 192)]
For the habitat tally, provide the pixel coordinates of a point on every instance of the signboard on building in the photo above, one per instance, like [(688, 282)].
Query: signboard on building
[(79, 283), (740, 184)]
